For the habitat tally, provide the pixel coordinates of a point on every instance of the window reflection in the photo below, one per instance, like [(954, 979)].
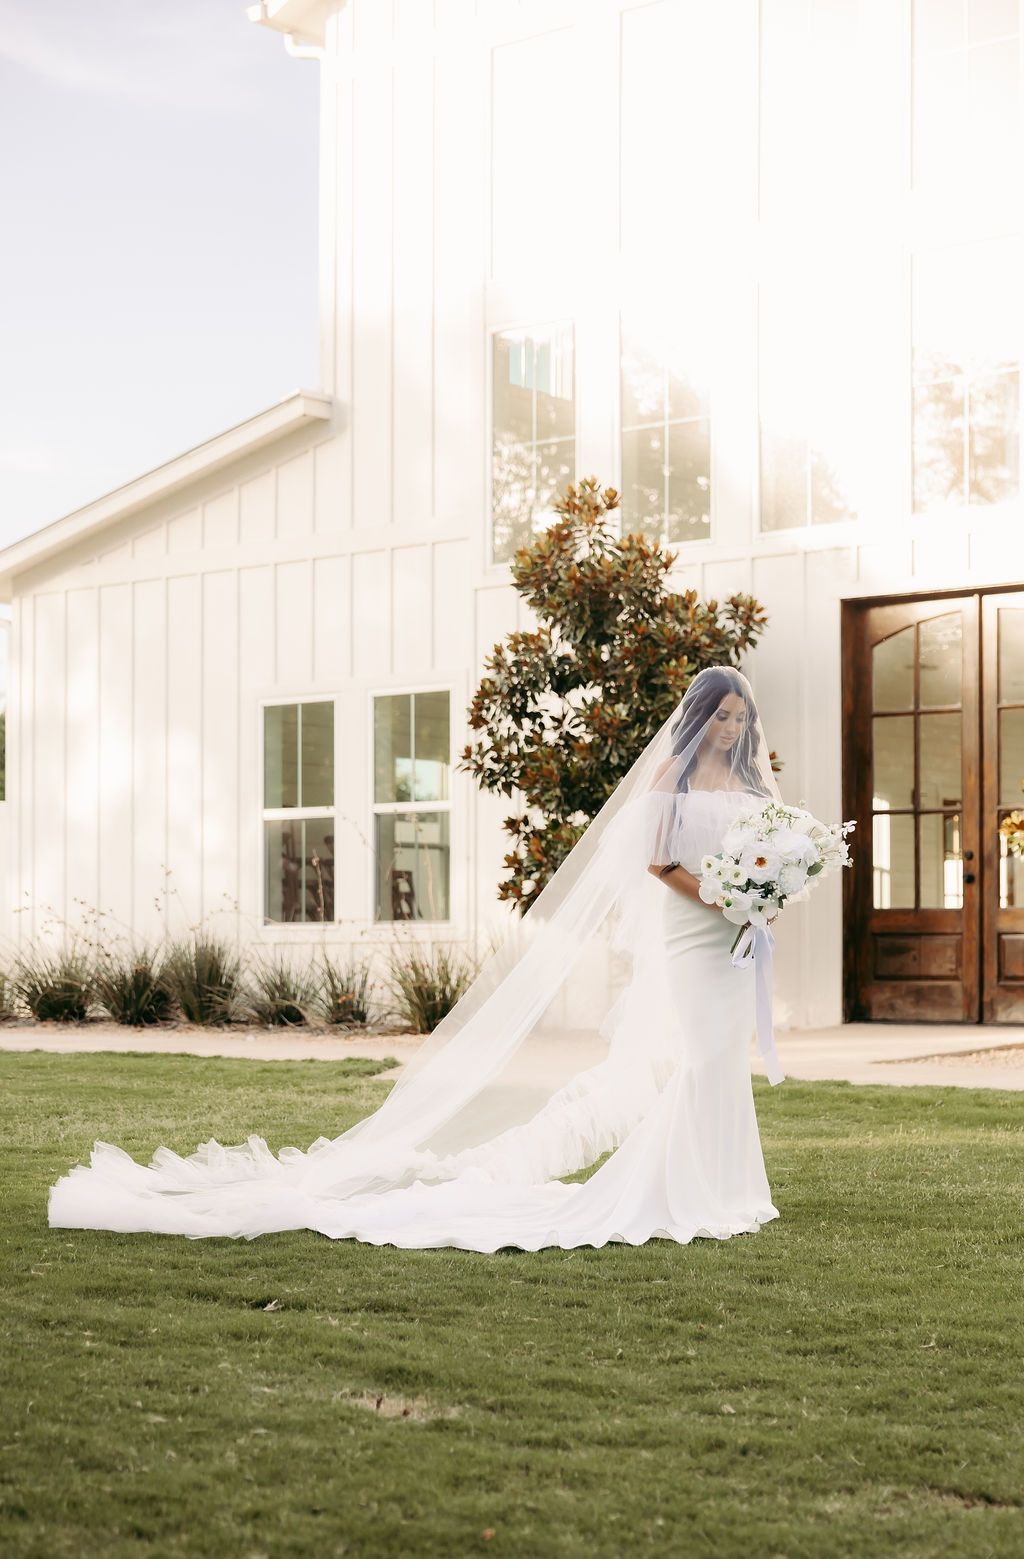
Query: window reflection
[(892, 861), (533, 451), (412, 762), (967, 334), (1011, 873), (814, 379), (941, 861), (966, 95), (666, 432), (299, 870), (892, 671)]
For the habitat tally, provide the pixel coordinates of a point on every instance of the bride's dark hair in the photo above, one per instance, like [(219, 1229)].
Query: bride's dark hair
[(700, 701)]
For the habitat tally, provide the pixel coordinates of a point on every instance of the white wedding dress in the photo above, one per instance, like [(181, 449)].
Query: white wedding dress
[(672, 1097)]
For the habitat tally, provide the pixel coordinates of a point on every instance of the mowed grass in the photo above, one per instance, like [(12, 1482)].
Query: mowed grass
[(846, 1382)]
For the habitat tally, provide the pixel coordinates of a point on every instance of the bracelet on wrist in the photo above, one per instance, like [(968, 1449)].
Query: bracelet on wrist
[(671, 866)]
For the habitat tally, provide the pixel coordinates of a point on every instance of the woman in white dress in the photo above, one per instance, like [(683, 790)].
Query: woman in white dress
[(610, 1017)]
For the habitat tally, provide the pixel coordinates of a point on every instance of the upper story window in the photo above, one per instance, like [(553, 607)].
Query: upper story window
[(813, 376), (412, 805), (968, 329), (298, 811), (666, 435), (967, 96), (533, 430)]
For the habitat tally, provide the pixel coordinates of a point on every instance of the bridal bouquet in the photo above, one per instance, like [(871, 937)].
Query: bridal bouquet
[(769, 857)]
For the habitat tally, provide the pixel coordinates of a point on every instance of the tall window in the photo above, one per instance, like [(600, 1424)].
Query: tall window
[(968, 324), (533, 438), (412, 805), (814, 377), (298, 811), (666, 434), (967, 96)]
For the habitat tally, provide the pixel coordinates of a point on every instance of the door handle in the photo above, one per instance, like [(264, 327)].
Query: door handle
[(968, 877)]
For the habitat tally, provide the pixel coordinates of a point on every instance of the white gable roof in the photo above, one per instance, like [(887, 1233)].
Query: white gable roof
[(302, 20), (295, 411)]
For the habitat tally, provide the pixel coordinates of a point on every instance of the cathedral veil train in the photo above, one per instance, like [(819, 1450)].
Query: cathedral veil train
[(610, 1017)]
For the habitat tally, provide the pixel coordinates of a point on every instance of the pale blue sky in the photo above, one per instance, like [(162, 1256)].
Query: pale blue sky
[(158, 260)]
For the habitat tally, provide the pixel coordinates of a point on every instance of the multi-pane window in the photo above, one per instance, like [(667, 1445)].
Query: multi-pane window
[(666, 435), (412, 805), (533, 438), (917, 766), (967, 96), (298, 811), (813, 378), (968, 323)]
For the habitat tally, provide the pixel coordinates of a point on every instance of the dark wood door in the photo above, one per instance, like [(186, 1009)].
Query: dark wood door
[(1002, 792), (912, 766)]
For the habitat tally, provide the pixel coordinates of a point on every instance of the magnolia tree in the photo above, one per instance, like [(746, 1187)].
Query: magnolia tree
[(566, 709)]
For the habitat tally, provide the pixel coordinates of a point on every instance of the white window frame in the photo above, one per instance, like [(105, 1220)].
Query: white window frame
[(292, 814), (693, 543), (379, 808), (535, 321)]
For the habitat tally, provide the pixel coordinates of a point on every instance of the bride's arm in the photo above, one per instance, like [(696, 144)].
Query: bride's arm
[(679, 879), (684, 882)]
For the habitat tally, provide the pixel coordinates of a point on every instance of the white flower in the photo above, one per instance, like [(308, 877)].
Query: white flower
[(761, 862), (795, 846), (733, 872), (761, 911), (791, 878), (709, 865), (738, 836), (736, 906), (710, 891)]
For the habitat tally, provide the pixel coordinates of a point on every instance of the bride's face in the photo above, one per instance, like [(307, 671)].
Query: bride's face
[(727, 724)]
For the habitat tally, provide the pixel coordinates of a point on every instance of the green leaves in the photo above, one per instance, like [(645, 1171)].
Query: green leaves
[(565, 709)]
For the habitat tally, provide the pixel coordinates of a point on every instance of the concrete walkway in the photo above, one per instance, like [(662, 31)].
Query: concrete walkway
[(950, 1055)]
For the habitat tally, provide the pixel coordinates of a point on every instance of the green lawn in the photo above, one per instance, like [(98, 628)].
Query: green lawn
[(848, 1381)]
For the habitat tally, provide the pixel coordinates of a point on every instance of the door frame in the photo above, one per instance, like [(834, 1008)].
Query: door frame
[(1002, 930), (857, 900)]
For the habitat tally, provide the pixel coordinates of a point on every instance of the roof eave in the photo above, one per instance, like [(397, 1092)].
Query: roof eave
[(286, 416), (304, 21)]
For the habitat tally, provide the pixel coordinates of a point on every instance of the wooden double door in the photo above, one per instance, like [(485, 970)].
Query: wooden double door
[(933, 761)]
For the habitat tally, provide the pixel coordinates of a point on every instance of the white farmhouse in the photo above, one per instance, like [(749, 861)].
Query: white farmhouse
[(758, 265)]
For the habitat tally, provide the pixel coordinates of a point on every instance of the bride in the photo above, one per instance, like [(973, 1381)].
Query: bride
[(610, 1018)]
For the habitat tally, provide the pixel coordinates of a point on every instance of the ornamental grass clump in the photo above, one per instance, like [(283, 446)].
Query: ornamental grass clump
[(274, 993), (8, 1007), (343, 997), (204, 976), (426, 984), (56, 987), (131, 988)]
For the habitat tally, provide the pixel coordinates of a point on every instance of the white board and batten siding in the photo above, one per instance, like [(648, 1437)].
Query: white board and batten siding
[(460, 196), (139, 672)]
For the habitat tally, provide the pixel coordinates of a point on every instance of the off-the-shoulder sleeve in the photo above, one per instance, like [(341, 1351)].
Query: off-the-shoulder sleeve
[(642, 832)]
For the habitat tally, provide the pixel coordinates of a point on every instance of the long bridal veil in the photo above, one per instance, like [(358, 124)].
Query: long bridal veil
[(560, 1045)]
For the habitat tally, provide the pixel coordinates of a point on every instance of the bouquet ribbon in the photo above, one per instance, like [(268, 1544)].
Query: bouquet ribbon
[(754, 950)]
